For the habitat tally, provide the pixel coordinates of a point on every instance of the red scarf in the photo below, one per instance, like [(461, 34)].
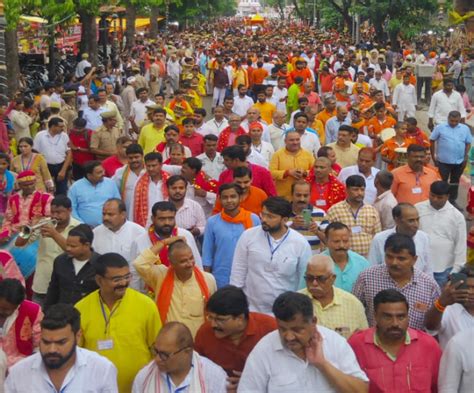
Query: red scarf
[(207, 184), (27, 314), (166, 291), (140, 208), (164, 251), (224, 136)]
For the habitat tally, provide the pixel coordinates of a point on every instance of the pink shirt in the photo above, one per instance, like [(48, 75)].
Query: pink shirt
[(261, 178), (195, 143), (414, 370)]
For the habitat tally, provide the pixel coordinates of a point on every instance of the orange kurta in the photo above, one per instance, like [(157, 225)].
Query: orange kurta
[(253, 202)]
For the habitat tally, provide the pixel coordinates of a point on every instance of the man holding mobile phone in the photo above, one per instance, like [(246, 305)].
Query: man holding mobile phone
[(453, 311)]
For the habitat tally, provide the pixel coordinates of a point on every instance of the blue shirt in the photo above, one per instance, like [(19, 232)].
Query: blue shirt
[(346, 278), (332, 128), (451, 142), (88, 200), (220, 239)]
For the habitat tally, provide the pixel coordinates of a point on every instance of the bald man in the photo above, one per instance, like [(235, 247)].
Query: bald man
[(177, 368), (334, 308), (181, 289)]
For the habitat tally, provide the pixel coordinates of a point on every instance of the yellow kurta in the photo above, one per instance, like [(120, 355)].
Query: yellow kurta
[(282, 161), (133, 327), (345, 156), (150, 136), (187, 303)]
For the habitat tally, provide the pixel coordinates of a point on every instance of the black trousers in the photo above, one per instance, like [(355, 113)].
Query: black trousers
[(451, 173), (61, 185)]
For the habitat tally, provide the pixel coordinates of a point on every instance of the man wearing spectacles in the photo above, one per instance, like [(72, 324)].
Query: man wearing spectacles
[(177, 368), (334, 308), (231, 331), (118, 322)]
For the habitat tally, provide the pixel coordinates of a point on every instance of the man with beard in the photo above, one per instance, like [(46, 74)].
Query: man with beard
[(270, 259), (163, 217), (118, 322), (420, 289), (301, 356), (396, 357), (177, 368), (189, 213), (223, 231), (126, 177), (116, 234), (181, 289), (73, 275), (231, 331), (59, 363)]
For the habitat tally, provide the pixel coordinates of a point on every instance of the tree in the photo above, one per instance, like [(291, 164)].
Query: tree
[(87, 11), (396, 16)]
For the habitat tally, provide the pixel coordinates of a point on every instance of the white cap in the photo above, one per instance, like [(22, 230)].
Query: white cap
[(131, 79)]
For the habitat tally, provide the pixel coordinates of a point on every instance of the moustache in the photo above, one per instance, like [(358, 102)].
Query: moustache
[(120, 287), (395, 330), (217, 329), (341, 249)]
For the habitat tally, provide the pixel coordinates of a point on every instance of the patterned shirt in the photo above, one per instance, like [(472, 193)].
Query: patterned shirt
[(421, 292), (317, 216), (364, 224)]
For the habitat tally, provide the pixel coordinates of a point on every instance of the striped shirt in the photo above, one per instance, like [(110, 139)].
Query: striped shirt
[(191, 215), (364, 224), (317, 216), (421, 292)]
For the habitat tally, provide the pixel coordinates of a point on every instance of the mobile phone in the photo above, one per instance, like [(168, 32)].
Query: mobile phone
[(456, 277), (306, 213)]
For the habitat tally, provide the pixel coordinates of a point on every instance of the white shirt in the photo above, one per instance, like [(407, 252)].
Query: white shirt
[(262, 277), (143, 242), (138, 110), (212, 168), (273, 368), (53, 148), (384, 204), (446, 228), (155, 194), (81, 66), (257, 159), (441, 105), (277, 135), (278, 94), (78, 265), (214, 378), (456, 370), (93, 118), (422, 245), (214, 127), (191, 215), (242, 105), (266, 150), (365, 140), (404, 97), (129, 187), (455, 319), (91, 373), (380, 85), (120, 242), (370, 190)]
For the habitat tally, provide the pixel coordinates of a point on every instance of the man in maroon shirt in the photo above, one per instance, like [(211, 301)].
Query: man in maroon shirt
[(231, 331), (80, 139), (112, 163), (191, 138), (234, 157)]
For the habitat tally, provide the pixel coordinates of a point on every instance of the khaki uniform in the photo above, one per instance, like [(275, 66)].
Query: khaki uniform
[(105, 139), (140, 82), (69, 114)]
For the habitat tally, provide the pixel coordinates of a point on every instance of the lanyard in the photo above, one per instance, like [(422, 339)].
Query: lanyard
[(357, 212), (274, 250), (27, 165), (104, 314)]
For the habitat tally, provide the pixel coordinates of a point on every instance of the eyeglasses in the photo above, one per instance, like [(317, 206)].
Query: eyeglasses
[(164, 355), (117, 279), (319, 279), (217, 320)]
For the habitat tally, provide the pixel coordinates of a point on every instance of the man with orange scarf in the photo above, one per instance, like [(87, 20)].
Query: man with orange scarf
[(149, 189), (181, 289), (222, 232)]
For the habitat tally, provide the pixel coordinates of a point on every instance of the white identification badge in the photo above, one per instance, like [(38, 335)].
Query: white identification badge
[(416, 190), (320, 202), (356, 229), (103, 345)]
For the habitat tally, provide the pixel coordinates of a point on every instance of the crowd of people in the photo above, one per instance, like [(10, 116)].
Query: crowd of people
[(302, 234)]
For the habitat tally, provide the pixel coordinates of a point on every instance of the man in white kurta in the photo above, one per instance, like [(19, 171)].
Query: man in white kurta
[(404, 99)]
